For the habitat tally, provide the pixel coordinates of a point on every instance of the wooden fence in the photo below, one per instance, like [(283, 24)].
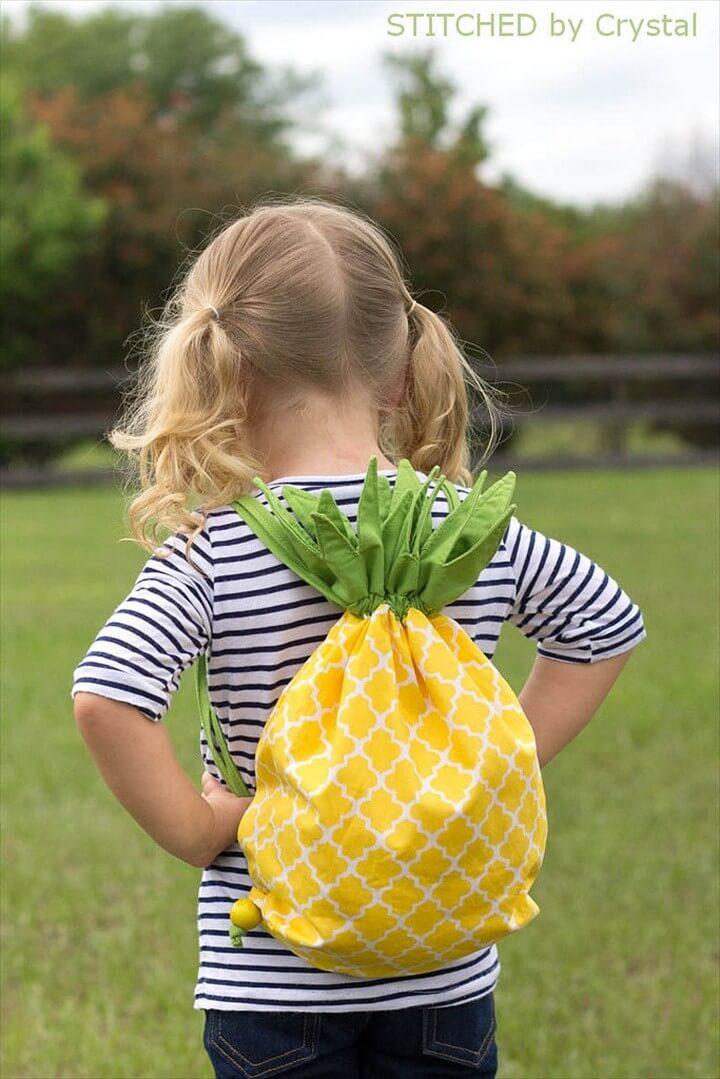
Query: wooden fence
[(44, 408)]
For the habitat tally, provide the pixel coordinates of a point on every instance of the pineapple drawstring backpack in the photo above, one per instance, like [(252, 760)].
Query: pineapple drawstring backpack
[(399, 816)]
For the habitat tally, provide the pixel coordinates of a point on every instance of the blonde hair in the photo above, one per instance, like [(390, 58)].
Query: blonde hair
[(305, 293)]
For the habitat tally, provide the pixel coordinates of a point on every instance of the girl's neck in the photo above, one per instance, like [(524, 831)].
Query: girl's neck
[(317, 435)]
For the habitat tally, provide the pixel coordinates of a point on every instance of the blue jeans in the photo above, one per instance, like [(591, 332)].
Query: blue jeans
[(408, 1043)]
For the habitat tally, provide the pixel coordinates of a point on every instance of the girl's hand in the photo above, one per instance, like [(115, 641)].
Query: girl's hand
[(227, 811)]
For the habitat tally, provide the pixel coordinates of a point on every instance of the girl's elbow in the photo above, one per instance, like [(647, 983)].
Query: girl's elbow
[(94, 713), (85, 709), (91, 710)]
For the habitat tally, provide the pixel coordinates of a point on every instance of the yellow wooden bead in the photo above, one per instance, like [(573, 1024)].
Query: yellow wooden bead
[(245, 914)]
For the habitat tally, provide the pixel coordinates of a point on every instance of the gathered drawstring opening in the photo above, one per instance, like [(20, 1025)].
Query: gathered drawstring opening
[(399, 603)]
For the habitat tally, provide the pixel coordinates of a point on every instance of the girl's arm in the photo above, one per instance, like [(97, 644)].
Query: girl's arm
[(585, 626), (137, 760), (559, 699)]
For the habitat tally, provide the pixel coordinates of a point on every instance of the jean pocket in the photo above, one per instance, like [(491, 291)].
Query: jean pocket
[(252, 1045), (462, 1033)]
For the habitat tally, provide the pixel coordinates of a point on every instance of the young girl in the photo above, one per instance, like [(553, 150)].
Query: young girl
[(294, 350)]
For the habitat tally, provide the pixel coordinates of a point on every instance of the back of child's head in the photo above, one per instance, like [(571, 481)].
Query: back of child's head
[(302, 295)]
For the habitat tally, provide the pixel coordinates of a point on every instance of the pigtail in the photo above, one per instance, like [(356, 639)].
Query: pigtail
[(183, 428), (431, 425)]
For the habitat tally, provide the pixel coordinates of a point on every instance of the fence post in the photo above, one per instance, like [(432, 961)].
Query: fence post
[(614, 433)]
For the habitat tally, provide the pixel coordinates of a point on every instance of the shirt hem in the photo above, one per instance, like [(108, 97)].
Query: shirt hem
[(431, 998)]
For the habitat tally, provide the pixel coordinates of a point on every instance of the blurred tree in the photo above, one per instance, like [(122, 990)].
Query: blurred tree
[(571, 217), (423, 101), (46, 221), (655, 257), (513, 273), (653, 270), (690, 159), (423, 96), (523, 273), (192, 67), (173, 125), (158, 182), (664, 265), (497, 267)]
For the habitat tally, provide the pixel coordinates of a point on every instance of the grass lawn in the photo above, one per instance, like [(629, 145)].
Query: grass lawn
[(615, 978)]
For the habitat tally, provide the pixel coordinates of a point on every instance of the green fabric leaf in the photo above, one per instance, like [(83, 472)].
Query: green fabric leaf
[(406, 480), (453, 498), (330, 509), (300, 556), (369, 531), (395, 555), (384, 495), (347, 564), (422, 524), (404, 575), (405, 531), (473, 515), (396, 528), (281, 514), (445, 582), (303, 504)]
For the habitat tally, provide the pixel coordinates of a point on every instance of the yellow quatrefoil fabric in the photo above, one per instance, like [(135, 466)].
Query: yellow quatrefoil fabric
[(399, 818)]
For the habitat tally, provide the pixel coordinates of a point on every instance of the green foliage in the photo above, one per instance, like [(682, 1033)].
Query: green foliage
[(53, 49), (166, 122), (622, 956), (571, 217), (188, 63), (46, 220), (519, 273), (423, 101), (423, 96), (470, 146), (500, 269), (667, 262)]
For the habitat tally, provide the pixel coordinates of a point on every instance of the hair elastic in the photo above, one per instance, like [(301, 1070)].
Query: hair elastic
[(216, 313)]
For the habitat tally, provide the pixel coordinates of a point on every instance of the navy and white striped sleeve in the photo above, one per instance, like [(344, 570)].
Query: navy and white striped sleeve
[(574, 610), (157, 631)]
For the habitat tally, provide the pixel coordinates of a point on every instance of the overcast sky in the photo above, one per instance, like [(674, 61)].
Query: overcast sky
[(580, 121)]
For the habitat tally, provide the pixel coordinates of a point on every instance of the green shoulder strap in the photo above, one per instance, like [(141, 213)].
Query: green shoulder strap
[(213, 732), (394, 556)]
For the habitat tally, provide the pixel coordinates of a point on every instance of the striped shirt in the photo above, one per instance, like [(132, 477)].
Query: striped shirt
[(259, 623)]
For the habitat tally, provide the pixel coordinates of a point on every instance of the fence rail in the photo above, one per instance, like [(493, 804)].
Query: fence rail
[(529, 369), (92, 425), (607, 366), (47, 407)]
